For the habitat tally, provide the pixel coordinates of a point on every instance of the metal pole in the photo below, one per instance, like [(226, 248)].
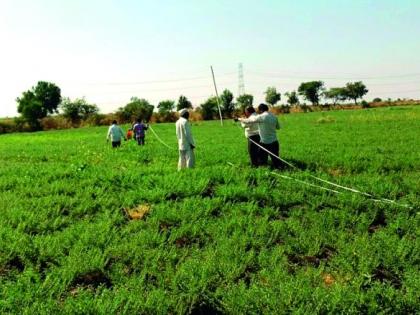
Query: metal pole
[(217, 96)]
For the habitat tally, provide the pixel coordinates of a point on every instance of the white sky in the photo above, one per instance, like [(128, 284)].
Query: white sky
[(110, 50)]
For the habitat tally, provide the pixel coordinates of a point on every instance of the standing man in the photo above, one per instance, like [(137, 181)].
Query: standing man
[(186, 144), (139, 129), (267, 125), (115, 133), (253, 136)]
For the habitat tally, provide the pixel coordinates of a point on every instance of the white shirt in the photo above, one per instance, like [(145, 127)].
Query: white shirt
[(250, 129), (267, 125), (184, 135), (115, 132)]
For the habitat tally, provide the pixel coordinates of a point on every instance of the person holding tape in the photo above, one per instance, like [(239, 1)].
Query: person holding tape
[(253, 136), (186, 144), (267, 126)]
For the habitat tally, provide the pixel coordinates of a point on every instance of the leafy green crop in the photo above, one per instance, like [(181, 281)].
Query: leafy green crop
[(219, 238)]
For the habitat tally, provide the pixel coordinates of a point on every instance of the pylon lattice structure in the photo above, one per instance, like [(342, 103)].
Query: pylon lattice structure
[(241, 84)]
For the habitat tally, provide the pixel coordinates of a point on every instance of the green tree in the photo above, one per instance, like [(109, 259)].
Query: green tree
[(292, 98), (227, 103), (37, 103), (311, 91), (77, 110), (183, 102), (209, 108), (355, 90), (272, 96), (166, 106), (244, 101), (336, 94), (136, 109)]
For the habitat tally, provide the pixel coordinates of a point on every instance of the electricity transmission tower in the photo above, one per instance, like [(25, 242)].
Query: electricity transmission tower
[(241, 84)]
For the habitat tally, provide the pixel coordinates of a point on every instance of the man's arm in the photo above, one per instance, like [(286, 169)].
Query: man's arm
[(122, 133), (255, 119), (188, 135)]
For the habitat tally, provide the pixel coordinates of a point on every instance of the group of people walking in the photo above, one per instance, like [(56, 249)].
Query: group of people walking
[(260, 130), (137, 131)]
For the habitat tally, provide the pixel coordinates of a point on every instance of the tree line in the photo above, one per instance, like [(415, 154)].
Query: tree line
[(45, 99)]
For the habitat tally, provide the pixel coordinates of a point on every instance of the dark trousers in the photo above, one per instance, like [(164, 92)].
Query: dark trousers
[(254, 150), (116, 144), (273, 148), (140, 140)]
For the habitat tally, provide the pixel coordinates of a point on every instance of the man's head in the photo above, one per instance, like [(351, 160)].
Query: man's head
[(249, 111), (114, 122), (184, 113), (262, 108)]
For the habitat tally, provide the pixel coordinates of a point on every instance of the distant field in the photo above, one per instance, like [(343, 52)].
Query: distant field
[(222, 237)]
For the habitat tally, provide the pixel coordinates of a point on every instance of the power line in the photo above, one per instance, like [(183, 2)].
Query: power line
[(283, 75)]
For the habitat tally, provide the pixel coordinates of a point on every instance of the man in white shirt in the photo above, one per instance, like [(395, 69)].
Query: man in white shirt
[(253, 136), (267, 125), (186, 144), (115, 133)]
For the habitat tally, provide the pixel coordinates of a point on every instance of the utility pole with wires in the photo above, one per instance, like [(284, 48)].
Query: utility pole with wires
[(217, 96), (241, 84)]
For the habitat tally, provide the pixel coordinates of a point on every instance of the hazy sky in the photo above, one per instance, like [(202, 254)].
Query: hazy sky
[(109, 50)]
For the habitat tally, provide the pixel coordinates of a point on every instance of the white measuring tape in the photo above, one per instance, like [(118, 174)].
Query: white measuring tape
[(160, 140), (372, 197)]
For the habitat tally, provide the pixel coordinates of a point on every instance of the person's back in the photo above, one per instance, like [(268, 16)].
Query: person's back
[(186, 143), (139, 131), (268, 125), (115, 133), (183, 134)]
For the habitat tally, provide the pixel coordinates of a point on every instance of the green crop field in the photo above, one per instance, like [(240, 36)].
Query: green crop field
[(219, 238)]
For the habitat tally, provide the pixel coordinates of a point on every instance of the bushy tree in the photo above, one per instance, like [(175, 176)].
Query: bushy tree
[(336, 94), (272, 96), (311, 91), (227, 103), (77, 110), (183, 102), (244, 101), (166, 106), (37, 103), (355, 90), (136, 109), (377, 100), (292, 98), (209, 108)]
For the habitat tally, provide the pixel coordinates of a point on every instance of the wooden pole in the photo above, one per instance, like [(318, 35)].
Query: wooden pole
[(217, 96)]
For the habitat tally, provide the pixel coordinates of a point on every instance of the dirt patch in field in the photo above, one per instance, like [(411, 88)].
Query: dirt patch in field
[(173, 196), (324, 255), (187, 241), (208, 191), (90, 280), (167, 226), (14, 264), (378, 222), (204, 308), (138, 212), (385, 275)]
